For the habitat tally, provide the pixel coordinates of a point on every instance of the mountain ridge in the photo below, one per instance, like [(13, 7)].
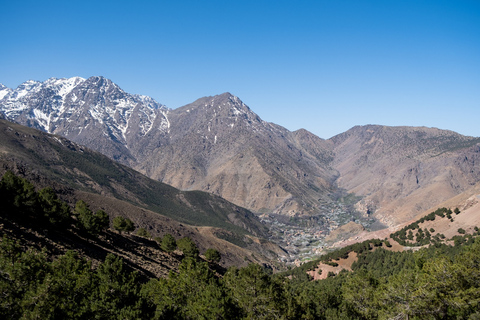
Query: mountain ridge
[(402, 171), (219, 145)]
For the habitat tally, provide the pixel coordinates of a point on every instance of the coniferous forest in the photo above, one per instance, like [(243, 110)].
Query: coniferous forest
[(441, 281)]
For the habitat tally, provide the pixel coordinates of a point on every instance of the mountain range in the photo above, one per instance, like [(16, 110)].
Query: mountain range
[(219, 145)]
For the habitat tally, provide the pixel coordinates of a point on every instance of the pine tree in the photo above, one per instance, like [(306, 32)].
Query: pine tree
[(121, 224), (188, 247), (168, 243)]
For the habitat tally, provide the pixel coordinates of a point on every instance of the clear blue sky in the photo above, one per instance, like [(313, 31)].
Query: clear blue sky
[(321, 65)]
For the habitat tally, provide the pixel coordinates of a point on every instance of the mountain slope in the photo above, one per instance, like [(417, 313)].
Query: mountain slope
[(217, 144), (52, 160), (403, 171)]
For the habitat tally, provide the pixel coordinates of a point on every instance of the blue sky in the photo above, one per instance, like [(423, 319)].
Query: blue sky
[(325, 66)]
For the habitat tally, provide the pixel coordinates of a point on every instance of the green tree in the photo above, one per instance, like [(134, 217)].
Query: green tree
[(102, 220), (188, 247), (20, 273), (410, 235), (55, 211), (193, 293), (64, 293), (399, 297), (18, 196), (168, 243), (359, 293), (212, 255), (92, 223), (123, 224), (117, 294), (258, 294)]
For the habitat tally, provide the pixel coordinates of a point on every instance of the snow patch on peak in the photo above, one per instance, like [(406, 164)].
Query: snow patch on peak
[(25, 88), (165, 123), (237, 112), (42, 118), (4, 91), (30, 82), (96, 114), (149, 101), (64, 86)]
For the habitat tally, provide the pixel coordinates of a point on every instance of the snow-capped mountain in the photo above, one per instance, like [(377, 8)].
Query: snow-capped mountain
[(94, 112)]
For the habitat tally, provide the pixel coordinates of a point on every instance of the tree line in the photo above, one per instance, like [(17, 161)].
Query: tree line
[(427, 284)]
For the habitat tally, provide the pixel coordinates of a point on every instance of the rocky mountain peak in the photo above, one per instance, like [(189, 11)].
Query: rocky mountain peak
[(216, 116), (25, 88)]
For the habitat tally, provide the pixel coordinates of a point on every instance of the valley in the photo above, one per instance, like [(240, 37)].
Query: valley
[(306, 237)]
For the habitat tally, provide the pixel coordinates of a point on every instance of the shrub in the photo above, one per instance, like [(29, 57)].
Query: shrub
[(142, 232), (332, 263)]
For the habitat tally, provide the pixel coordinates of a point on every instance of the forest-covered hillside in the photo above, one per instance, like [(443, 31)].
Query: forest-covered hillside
[(437, 282)]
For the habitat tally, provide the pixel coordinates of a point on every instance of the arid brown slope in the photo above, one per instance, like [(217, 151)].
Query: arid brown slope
[(403, 171), (468, 202), (217, 144)]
